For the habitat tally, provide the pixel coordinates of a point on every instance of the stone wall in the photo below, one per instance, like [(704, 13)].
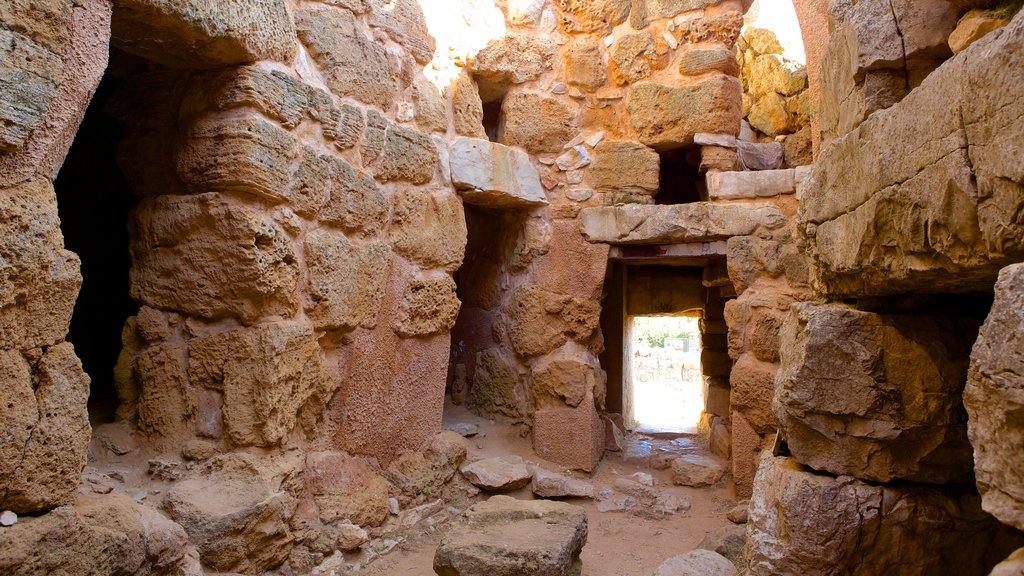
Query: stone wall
[(905, 220)]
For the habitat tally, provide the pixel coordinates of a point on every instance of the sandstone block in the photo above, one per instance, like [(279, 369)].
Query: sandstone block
[(495, 386), (355, 202), (492, 175), (425, 471), (560, 380), (752, 387), (431, 108), (993, 395), (761, 155), (751, 258), (235, 515), (519, 125), (669, 224), (404, 22), (429, 228), (698, 470), (430, 306), (584, 66), (503, 536), (763, 184), (971, 27), (551, 485), (879, 430), (352, 64), (467, 109), (665, 117), (773, 74), (499, 474), (210, 257), (592, 15), (571, 437), (267, 372), (166, 406), (697, 61), (697, 563), (805, 523), (510, 60), (634, 57), (40, 281), (46, 428), (540, 321), (197, 34), (279, 95), (571, 265), (346, 281), (408, 155), (769, 115), (623, 167), (31, 73), (346, 488)]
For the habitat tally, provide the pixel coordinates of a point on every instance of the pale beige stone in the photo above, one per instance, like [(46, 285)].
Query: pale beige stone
[(429, 228), (346, 488), (430, 306), (404, 22), (624, 167), (346, 280), (695, 222), (519, 125), (511, 60), (668, 117)]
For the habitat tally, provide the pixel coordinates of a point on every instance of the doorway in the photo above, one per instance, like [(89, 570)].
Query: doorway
[(667, 390)]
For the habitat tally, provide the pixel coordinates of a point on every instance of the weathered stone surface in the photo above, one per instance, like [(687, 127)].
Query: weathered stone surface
[(697, 61), (695, 222), (346, 280), (430, 306), (722, 29), (245, 154), (881, 430), (566, 379), (1012, 566), (972, 27), (235, 514), (495, 386), (39, 280), (591, 15), (763, 184), (498, 474), (665, 117), (426, 470), (811, 524), (519, 126), (467, 108), (769, 116), (771, 73), (492, 175), (634, 57), (431, 109), (729, 541), (46, 429), (752, 387), (584, 66), (994, 395), (503, 536), (31, 72), (698, 470), (408, 155), (510, 60), (571, 437), (107, 534), (624, 167), (355, 201), (197, 34), (166, 406), (267, 372), (551, 485), (404, 22), (346, 488), (207, 256), (761, 155), (540, 321), (751, 258), (697, 563), (352, 64), (429, 228)]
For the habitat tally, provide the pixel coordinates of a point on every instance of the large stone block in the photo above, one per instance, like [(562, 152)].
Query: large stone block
[(46, 427), (521, 125), (355, 202), (510, 60), (670, 224), (592, 15), (429, 228), (353, 65), (876, 207), (99, 534), (571, 265), (346, 488), (584, 66), (752, 387), (492, 175), (623, 167), (199, 34), (495, 386), (540, 321), (566, 380), (30, 74), (267, 372), (570, 436), (404, 22), (467, 108), (39, 279), (281, 96), (235, 513), (346, 280), (900, 413), (408, 155), (211, 257), (503, 536), (166, 405), (994, 397), (811, 524), (430, 306), (667, 117)]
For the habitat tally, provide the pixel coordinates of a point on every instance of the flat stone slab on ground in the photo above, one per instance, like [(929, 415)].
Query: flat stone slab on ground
[(498, 474), (503, 536), (697, 563), (551, 485)]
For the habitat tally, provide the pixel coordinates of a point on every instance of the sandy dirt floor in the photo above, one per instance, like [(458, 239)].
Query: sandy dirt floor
[(618, 544)]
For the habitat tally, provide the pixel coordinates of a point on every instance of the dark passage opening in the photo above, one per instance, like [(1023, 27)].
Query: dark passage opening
[(93, 201), (492, 118), (680, 176)]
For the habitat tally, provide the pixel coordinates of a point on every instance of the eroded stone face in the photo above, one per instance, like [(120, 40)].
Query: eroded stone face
[(346, 280), (519, 126), (806, 523), (346, 488), (429, 228), (666, 117), (994, 396), (900, 416), (211, 257)]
